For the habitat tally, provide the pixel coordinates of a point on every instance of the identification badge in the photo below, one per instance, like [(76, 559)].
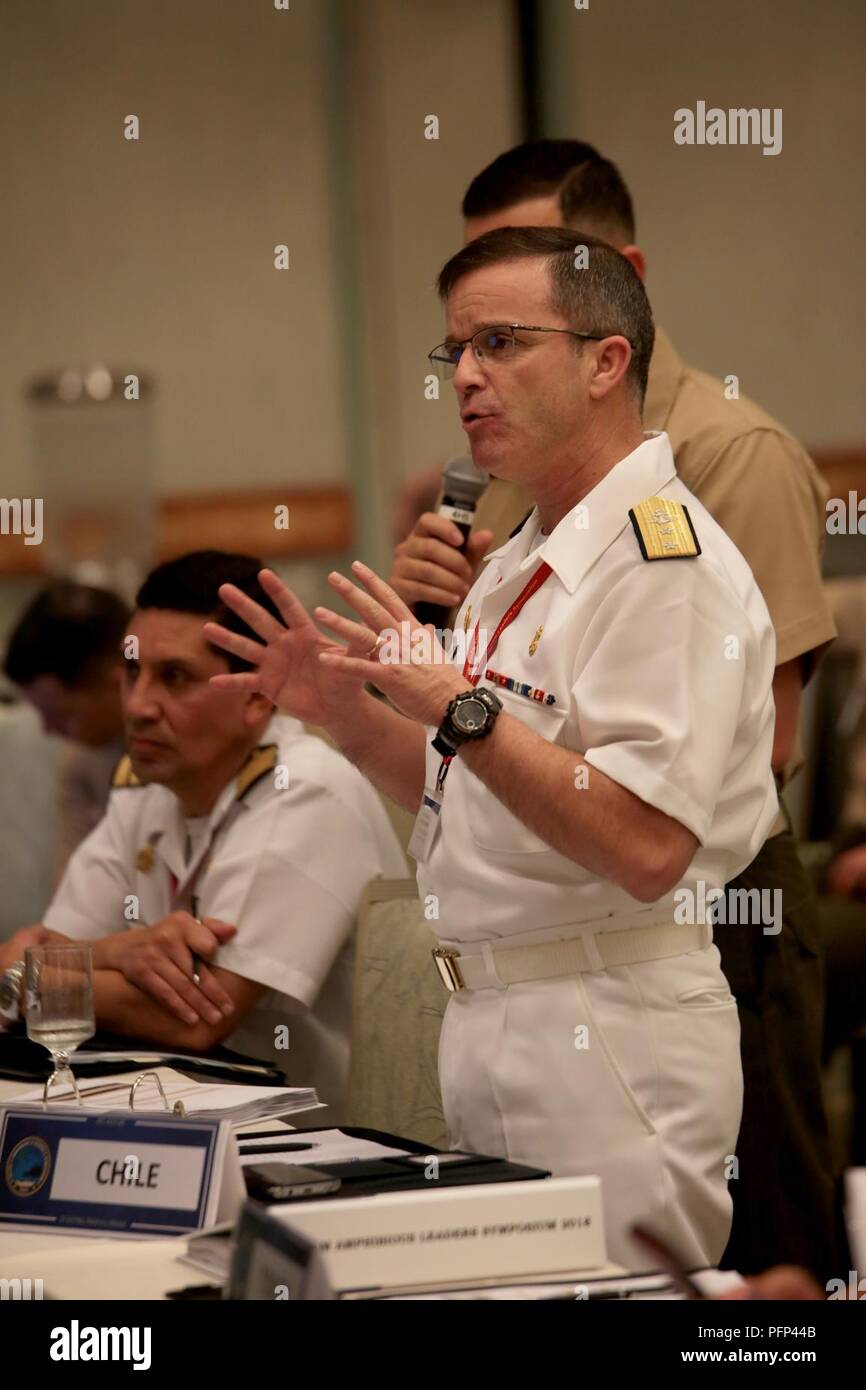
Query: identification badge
[(426, 825)]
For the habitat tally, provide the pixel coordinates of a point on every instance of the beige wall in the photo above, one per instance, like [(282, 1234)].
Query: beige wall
[(158, 253), (307, 127), (257, 127), (457, 62), (756, 262)]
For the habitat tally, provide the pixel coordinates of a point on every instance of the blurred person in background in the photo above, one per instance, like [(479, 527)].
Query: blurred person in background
[(843, 898), (221, 887), (64, 655)]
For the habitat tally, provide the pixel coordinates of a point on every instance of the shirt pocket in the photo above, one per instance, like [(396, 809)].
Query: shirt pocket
[(491, 825)]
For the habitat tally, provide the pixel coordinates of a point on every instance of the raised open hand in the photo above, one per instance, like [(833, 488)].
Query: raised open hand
[(403, 658), (286, 660)]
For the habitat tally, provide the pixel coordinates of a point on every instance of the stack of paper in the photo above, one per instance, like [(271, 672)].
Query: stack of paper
[(206, 1100)]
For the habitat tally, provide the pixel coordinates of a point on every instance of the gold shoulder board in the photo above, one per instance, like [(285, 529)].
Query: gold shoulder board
[(664, 530), (123, 775), (260, 762)]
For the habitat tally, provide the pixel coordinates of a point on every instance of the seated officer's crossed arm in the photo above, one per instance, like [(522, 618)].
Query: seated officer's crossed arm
[(143, 980), (143, 983), (121, 1007)]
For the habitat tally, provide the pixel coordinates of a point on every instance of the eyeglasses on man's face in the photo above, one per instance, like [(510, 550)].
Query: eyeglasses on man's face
[(493, 345)]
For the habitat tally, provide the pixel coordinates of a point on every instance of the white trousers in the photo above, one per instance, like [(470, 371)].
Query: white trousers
[(631, 1073)]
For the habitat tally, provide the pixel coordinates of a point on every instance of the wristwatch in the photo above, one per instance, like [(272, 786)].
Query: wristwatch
[(10, 991), (470, 715)]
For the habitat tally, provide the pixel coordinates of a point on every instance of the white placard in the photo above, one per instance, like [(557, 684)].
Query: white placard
[(455, 1233), (140, 1175)]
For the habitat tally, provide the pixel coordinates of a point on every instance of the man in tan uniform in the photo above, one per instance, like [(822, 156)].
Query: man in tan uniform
[(766, 493)]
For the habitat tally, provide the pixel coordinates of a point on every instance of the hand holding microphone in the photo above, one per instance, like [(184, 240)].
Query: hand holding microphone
[(435, 566)]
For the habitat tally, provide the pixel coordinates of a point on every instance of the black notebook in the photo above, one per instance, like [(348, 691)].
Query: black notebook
[(23, 1060), (362, 1177)]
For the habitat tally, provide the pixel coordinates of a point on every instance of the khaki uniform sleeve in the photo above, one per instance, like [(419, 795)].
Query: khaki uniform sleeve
[(766, 493)]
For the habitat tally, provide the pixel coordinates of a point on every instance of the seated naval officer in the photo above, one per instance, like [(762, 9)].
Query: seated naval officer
[(598, 746), (232, 837)]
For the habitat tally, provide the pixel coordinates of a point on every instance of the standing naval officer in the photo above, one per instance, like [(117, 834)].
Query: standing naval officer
[(759, 484), (599, 743)]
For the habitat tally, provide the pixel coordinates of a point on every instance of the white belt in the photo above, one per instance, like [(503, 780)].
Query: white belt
[(494, 967)]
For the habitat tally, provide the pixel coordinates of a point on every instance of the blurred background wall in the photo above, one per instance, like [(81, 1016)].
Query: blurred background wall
[(257, 127), (306, 127), (754, 260)]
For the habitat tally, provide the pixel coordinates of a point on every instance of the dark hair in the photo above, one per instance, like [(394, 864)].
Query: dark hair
[(592, 192), (69, 630), (606, 297), (190, 584)]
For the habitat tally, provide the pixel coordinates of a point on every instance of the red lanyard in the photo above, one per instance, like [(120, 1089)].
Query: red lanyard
[(535, 583)]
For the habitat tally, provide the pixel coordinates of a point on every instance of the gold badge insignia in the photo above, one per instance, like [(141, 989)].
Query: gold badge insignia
[(123, 775), (533, 646), (144, 859), (664, 530)]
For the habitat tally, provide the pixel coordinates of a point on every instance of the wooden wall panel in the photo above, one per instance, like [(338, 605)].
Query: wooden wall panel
[(320, 523)]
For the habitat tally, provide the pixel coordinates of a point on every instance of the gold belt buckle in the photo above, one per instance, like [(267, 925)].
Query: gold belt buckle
[(449, 970)]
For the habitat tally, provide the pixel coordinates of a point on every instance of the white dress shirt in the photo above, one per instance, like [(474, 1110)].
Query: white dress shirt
[(658, 673), (285, 864)]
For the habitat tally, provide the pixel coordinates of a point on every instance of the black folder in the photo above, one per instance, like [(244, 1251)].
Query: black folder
[(23, 1060), (366, 1176)]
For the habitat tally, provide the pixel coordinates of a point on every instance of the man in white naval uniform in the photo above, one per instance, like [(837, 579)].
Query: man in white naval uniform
[(601, 743), (221, 888)]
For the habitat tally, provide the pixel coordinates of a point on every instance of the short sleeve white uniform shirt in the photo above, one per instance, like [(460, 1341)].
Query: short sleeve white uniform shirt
[(659, 673), (286, 864)]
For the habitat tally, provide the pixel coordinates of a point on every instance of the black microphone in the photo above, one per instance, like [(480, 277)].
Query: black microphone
[(462, 485)]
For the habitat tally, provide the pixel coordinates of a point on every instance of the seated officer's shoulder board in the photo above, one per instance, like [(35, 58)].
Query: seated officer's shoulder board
[(664, 530), (261, 761), (123, 775)]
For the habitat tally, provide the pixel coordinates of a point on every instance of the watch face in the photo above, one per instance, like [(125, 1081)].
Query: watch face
[(470, 715)]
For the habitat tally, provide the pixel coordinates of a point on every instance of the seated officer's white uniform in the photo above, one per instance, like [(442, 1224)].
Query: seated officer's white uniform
[(284, 857), (659, 673)]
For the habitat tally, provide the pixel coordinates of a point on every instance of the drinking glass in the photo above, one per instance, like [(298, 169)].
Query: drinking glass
[(59, 1004)]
